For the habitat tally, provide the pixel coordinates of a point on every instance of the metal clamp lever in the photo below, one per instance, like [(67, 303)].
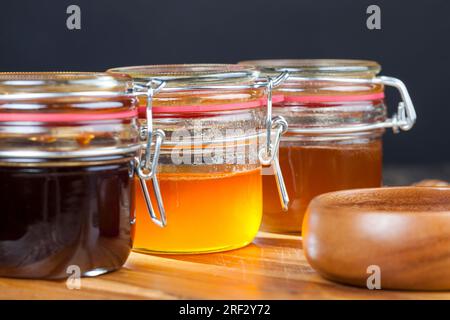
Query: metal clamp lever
[(146, 166), (403, 119), (268, 155), (406, 114)]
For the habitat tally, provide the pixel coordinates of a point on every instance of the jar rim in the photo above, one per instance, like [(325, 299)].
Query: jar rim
[(191, 75), (317, 67)]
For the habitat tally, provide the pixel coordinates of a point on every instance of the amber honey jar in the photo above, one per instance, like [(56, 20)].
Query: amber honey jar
[(68, 143), (337, 115), (214, 119)]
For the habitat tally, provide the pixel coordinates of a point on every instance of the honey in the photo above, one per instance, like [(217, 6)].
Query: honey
[(337, 116), (213, 118), (208, 212), (312, 170), (68, 146), (56, 217)]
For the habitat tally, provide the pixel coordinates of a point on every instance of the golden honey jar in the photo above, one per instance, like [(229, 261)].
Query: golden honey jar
[(208, 179)]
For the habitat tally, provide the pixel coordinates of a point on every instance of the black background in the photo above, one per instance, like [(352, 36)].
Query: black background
[(412, 45)]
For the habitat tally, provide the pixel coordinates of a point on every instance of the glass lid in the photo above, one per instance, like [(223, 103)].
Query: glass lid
[(35, 85), (65, 96), (66, 115), (318, 67), (192, 75)]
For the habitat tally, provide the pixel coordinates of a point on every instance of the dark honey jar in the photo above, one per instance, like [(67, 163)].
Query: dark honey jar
[(68, 143), (337, 115)]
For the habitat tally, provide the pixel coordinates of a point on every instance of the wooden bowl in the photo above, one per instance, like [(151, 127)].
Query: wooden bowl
[(403, 231)]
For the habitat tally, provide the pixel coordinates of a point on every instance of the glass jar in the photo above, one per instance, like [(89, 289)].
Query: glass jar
[(214, 121), (67, 148), (337, 116)]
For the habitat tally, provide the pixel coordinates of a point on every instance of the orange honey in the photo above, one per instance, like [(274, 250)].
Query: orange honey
[(312, 170), (206, 212), (337, 115)]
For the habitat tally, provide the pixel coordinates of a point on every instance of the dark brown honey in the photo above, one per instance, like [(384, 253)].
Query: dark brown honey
[(54, 217)]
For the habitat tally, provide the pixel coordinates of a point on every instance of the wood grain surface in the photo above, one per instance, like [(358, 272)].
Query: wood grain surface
[(273, 267)]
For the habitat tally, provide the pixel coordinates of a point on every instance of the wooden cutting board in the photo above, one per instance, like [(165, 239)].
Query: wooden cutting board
[(273, 267)]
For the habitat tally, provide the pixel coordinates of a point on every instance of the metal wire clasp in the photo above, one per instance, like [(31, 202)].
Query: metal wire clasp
[(146, 166), (404, 119), (268, 155), (406, 116)]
